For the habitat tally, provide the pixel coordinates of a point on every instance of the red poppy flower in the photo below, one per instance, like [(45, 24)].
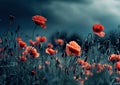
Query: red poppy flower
[(101, 34), (100, 67), (117, 66), (33, 42), (40, 20), (80, 61), (23, 58), (113, 57), (32, 51), (22, 44), (41, 39), (118, 57), (86, 65), (19, 39), (50, 51), (98, 30), (38, 38), (59, 41), (73, 49), (88, 73), (49, 45), (109, 67)]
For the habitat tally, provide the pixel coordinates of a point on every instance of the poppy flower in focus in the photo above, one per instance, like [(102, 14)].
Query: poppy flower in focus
[(40, 20), (22, 44), (73, 49), (98, 30), (50, 51), (59, 41), (101, 34), (49, 45)]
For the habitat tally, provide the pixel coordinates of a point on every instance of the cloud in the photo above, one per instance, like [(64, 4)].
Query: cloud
[(80, 17), (70, 15)]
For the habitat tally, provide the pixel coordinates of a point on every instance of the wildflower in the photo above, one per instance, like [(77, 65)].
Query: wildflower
[(113, 57), (32, 51), (80, 61), (73, 49), (49, 45), (88, 73), (23, 58), (40, 20), (19, 39), (98, 30), (41, 39), (22, 44), (33, 42), (59, 41), (50, 51), (100, 67), (117, 66)]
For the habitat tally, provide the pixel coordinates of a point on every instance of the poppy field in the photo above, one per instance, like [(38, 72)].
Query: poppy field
[(61, 59)]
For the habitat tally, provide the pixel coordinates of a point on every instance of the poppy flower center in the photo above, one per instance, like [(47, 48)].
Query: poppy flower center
[(97, 30)]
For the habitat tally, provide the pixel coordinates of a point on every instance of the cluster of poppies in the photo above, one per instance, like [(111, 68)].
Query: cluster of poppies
[(87, 67), (72, 48), (115, 58), (28, 49), (39, 39)]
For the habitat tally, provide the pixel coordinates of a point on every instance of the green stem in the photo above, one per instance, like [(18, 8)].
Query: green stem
[(34, 31)]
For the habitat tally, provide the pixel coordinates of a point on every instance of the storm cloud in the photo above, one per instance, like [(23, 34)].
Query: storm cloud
[(64, 15)]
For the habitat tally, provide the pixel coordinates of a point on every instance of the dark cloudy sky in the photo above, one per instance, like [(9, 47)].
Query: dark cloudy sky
[(74, 16)]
